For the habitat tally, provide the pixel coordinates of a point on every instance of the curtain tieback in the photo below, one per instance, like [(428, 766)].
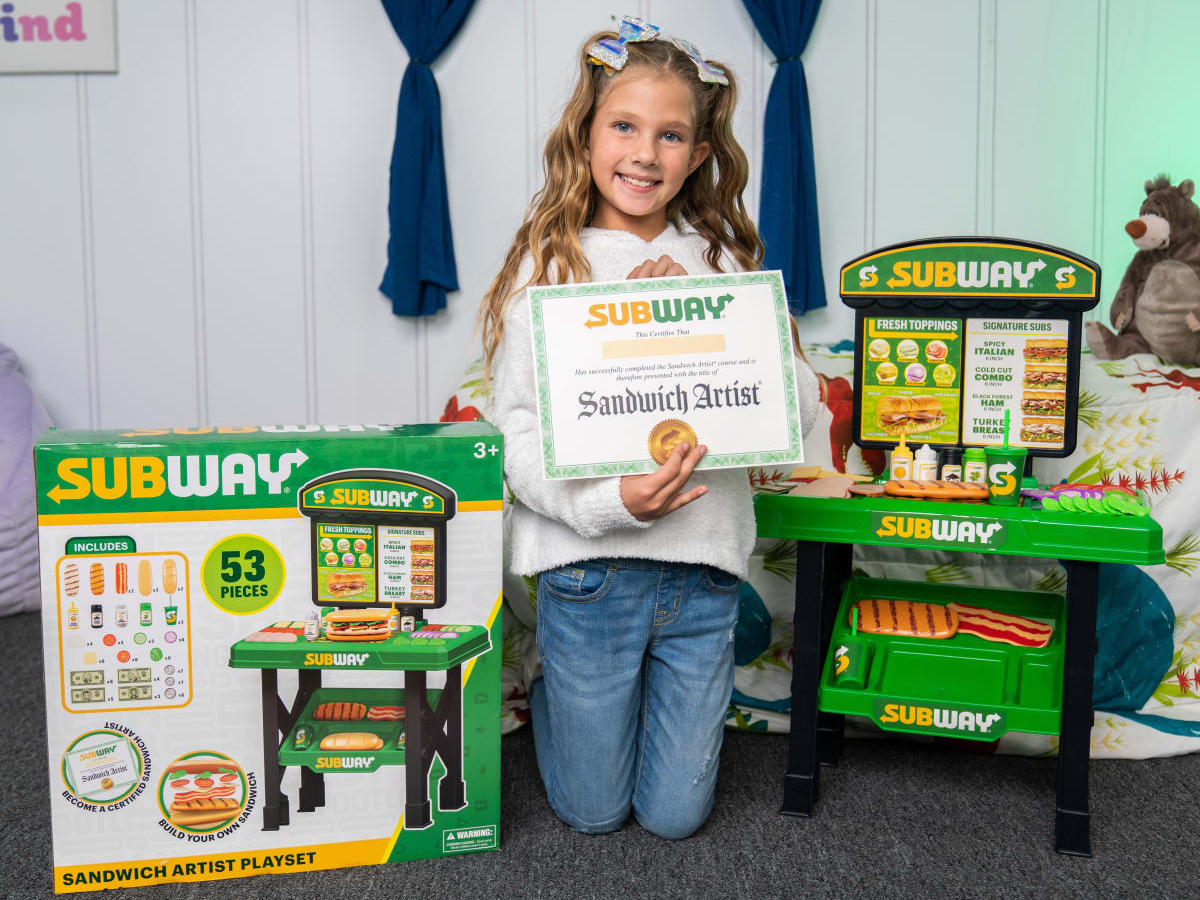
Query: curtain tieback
[(784, 59)]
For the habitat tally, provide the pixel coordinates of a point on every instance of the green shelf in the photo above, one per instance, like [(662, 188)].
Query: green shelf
[(348, 762), (401, 652), (967, 686), (1025, 530)]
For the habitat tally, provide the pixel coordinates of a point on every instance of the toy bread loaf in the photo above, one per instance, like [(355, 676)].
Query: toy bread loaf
[(202, 811), (170, 576), (937, 490), (145, 578), (352, 740), (905, 617), (96, 578), (71, 579), (339, 712)]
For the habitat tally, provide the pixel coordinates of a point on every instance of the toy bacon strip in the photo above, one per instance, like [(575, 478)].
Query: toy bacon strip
[(904, 617), (385, 714), (1001, 627)]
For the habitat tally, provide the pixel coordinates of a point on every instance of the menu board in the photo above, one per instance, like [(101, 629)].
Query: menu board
[(345, 562), (406, 566), (1019, 365), (911, 379)]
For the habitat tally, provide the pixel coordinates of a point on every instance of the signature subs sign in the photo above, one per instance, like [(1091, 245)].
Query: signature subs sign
[(628, 369)]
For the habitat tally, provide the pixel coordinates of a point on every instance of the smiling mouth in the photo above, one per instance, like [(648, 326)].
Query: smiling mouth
[(638, 182)]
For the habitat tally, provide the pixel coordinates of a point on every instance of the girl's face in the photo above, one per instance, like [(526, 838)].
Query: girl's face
[(641, 149)]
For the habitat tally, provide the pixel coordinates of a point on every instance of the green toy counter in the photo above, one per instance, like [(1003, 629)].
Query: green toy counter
[(964, 686), (418, 724)]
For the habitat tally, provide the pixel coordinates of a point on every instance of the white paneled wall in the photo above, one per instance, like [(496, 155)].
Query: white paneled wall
[(199, 238)]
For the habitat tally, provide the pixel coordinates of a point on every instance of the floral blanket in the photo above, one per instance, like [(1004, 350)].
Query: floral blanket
[(1138, 420)]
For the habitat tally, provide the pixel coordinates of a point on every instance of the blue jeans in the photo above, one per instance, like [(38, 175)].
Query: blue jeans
[(637, 658)]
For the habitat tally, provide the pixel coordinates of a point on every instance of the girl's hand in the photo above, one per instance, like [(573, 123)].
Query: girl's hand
[(656, 494), (657, 268)]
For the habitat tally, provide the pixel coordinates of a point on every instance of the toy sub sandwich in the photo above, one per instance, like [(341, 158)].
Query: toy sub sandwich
[(1044, 403), (1046, 377), (345, 584), (910, 415), (1046, 350), (357, 625), (1043, 430)]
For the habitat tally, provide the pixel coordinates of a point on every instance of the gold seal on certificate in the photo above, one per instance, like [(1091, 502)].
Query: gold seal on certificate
[(666, 434)]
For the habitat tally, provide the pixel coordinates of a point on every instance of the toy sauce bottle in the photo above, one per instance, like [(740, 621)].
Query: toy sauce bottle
[(974, 465), (902, 462), (72, 615), (97, 615), (950, 466), (312, 625), (925, 465), (145, 614)]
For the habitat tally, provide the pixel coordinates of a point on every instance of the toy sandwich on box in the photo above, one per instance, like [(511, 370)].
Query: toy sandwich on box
[(269, 649)]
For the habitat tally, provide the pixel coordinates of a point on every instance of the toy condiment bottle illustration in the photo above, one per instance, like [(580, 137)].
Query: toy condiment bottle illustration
[(72, 615)]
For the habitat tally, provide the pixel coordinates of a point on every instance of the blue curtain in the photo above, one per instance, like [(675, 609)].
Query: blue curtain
[(787, 218), (420, 267)]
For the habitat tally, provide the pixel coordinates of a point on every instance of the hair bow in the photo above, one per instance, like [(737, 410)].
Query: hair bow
[(612, 54)]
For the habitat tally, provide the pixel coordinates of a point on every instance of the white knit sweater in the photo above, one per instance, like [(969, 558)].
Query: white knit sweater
[(558, 522)]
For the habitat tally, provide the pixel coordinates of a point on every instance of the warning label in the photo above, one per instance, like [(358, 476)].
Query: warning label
[(459, 840)]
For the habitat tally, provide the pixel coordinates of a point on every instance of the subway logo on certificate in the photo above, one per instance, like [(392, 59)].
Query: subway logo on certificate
[(627, 370)]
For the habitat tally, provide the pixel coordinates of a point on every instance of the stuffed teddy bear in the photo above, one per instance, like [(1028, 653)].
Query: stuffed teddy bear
[(1157, 307)]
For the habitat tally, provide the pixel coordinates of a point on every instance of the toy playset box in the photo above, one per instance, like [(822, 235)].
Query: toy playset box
[(269, 649)]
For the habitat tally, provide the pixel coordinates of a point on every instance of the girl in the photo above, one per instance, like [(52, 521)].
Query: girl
[(637, 575)]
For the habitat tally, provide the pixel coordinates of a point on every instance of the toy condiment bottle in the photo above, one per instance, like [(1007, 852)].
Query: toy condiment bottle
[(72, 615), (950, 464), (902, 462), (925, 467), (393, 620), (146, 614), (97, 615), (122, 615), (312, 625), (974, 465)]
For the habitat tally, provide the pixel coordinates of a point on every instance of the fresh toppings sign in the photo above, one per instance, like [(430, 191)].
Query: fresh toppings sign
[(968, 268)]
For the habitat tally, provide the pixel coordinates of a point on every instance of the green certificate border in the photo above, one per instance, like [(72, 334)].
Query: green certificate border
[(538, 296)]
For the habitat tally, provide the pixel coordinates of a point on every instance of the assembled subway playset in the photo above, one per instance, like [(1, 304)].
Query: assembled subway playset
[(224, 607), (971, 347)]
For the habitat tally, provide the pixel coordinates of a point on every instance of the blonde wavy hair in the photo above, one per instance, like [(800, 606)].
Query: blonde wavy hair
[(710, 199)]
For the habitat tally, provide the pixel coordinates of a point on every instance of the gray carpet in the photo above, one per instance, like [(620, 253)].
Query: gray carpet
[(896, 819)]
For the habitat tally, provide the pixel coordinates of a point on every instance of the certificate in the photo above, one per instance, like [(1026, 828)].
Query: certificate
[(628, 369)]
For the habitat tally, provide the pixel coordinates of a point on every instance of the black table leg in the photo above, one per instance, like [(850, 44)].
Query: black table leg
[(418, 751), (1074, 744), (312, 784), (275, 803), (837, 564), (452, 792), (800, 782)]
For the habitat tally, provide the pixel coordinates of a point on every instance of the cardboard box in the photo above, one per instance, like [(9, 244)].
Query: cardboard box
[(180, 570)]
